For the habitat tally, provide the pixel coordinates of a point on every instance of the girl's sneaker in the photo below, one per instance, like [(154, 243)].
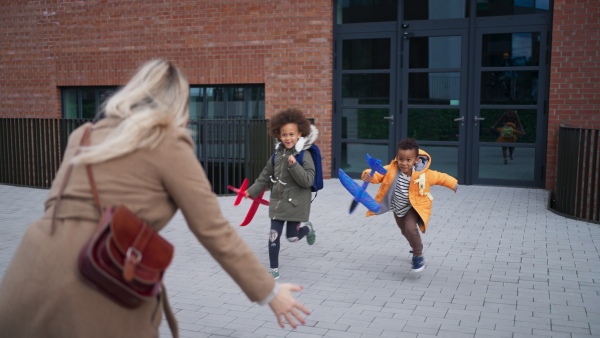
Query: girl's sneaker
[(274, 273), (310, 237)]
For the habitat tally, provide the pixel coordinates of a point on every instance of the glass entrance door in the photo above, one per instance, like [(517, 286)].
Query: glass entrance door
[(451, 74), (508, 137), (434, 95), (366, 114)]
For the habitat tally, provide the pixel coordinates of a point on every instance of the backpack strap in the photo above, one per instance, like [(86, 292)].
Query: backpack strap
[(299, 157)]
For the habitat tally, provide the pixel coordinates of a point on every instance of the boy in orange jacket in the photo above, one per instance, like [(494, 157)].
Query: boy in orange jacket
[(407, 193)]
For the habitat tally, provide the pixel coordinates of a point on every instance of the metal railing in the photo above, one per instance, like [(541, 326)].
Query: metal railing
[(229, 150), (577, 192), (31, 149)]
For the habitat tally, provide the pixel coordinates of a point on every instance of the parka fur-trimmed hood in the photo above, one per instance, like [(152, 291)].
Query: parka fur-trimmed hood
[(304, 142)]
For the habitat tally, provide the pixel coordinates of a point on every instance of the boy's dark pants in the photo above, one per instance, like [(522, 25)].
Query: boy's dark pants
[(409, 228)]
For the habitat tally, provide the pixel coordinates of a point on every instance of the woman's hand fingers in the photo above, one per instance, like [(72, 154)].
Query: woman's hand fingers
[(298, 317), (284, 304), (289, 320)]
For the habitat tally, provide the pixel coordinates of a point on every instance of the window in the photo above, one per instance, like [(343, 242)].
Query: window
[(84, 102), (512, 7), (227, 102), (206, 102)]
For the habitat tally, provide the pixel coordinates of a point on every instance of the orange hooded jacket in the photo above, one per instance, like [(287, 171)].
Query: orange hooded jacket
[(419, 190)]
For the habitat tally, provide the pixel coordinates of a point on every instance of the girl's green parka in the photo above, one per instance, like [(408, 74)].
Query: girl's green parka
[(289, 184)]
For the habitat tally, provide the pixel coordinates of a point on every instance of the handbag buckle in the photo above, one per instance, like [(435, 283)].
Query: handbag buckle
[(132, 258), (134, 251)]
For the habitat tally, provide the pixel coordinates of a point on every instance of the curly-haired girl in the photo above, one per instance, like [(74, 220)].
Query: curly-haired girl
[(289, 181)]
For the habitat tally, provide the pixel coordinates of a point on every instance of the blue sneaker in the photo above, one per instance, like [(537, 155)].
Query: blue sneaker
[(418, 263), (274, 273)]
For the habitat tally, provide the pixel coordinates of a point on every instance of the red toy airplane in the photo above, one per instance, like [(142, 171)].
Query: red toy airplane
[(241, 192)]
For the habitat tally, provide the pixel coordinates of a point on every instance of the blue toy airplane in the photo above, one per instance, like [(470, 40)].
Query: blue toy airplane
[(375, 167), (357, 191)]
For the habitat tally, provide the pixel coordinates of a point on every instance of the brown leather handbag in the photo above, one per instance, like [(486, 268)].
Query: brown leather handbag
[(124, 259)]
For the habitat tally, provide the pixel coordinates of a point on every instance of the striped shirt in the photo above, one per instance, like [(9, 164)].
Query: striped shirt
[(400, 202)]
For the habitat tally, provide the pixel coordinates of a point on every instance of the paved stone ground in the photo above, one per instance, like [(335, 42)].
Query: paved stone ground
[(498, 264)]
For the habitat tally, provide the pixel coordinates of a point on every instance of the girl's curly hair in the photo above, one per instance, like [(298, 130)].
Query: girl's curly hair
[(289, 115)]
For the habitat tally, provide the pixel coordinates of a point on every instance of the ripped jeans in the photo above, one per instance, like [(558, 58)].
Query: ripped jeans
[(293, 234)]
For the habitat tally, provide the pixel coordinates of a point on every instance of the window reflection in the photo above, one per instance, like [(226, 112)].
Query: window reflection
[(204, 102), (357, 11), (445, 158), (365, 89), (84, 102), (236, 102), (365, 123), (196, 102), (433, 124), (493, 166), (435, 9), (353, 155), (435, 52), (70, 105), (491, 128), (89, 103), (509, 87), (434, 88), (227, 102), (511, 7), (366, 54), (511, 49), (256, 108), (215, 96)]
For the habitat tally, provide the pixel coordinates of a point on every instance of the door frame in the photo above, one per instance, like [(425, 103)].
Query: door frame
[(541, 107), (404, 69), (338, 102)]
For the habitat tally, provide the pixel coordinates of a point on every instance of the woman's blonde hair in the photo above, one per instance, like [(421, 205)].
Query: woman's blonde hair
[(154, 100)]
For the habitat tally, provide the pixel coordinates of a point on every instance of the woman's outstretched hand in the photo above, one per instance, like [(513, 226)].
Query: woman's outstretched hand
[(286, 307)]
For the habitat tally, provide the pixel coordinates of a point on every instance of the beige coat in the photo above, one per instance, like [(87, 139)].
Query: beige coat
[(41, 293)]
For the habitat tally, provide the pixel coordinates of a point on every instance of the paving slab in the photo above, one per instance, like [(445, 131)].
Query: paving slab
[(498, 264)]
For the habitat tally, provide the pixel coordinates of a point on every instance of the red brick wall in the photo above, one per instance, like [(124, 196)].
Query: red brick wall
[(285, 44), (575, 72)]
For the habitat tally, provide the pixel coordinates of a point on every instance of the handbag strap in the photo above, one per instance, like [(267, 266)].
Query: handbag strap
[(84, 141), (171, 320), (90, 174)]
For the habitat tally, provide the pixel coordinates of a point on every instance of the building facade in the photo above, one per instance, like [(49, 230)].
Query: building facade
[(368, 72)]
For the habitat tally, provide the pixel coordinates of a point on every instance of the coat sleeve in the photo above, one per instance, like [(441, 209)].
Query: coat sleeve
[(263, 181), (186, 183), (377, 177), (438, 178), (304, 174)]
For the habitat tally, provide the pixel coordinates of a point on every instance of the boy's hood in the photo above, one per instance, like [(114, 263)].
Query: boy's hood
[(305, 142), (425, 162)]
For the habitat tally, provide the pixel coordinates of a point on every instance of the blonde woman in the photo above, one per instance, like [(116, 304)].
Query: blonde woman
[(142, 157)]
